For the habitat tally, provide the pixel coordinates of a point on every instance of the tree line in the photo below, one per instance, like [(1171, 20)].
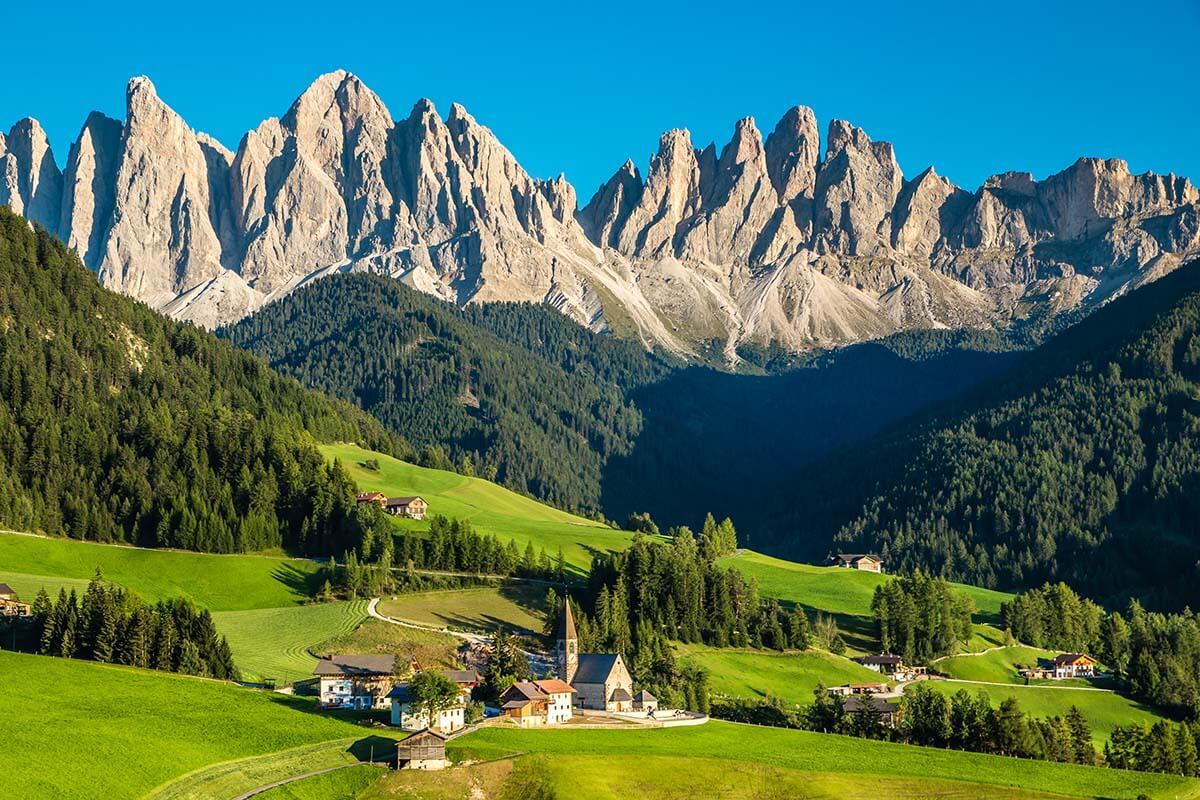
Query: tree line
[(120, 425), (1156, 655), (113, 626), (920, 617)]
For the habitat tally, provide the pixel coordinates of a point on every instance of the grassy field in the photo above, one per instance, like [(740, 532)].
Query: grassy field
[(789, 676), (490, 508), (710, 749), (217, 582), (1103, 710), (998, 666), (846, 594), (666, 778), (338, 785), (426, 648), (517, 607), (75, 729), (274, 643)]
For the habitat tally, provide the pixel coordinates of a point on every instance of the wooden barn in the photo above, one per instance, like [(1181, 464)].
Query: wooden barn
[(425, 749)]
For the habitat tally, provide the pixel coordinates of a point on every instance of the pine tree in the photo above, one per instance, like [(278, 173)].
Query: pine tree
[(190, 662)]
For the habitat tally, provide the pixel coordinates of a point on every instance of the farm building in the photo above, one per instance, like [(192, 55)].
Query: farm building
[(425, 749), (532, 704), (892, 666), (863, 561), (601, 680), (858, 688), (405, 715), (1064, 665), (409, 507), (378, 498), (10, 604), (357, 682), (889, 713)]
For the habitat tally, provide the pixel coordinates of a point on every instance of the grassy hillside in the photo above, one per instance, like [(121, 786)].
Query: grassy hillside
[(128, 731), (998, 666), (217, 582), (791, 676), (519, 608), (847, 593), (1103, 709), (859, 759), (274, 643), (489, 507)]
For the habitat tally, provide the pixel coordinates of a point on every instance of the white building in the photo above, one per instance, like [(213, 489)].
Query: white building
[(601, 680), (355, 682), (405, 714), (532, 704)]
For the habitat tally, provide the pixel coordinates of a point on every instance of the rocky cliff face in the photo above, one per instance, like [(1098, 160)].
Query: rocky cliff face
[(761, 241)]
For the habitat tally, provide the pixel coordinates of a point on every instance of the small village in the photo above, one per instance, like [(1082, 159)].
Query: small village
[(586, 690)]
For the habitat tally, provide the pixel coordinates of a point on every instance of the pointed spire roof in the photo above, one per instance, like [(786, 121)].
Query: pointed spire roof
[(566, 625)]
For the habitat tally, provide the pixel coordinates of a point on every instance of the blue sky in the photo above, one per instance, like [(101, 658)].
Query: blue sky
[(973, 88)]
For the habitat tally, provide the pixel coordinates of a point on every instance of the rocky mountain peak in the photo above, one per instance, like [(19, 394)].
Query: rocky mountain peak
[(793, 151)]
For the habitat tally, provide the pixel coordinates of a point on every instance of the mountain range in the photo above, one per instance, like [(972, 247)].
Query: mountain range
[(763, 242)]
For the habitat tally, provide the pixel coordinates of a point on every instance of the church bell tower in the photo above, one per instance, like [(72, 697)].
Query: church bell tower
[(567, 646)]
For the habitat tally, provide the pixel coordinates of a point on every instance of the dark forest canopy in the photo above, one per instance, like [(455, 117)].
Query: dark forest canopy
[(120, 425), (1082, 463), (591, 422)]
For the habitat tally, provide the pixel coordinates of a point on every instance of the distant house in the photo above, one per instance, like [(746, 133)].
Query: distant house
[(357, 682), (644, 701), (858, 688), (406, 715), (10, 605), (532, 704), (410, 507), (863, 561), (425, 749), (378, 498), (1064, 665), (889, 713), (892, 666)]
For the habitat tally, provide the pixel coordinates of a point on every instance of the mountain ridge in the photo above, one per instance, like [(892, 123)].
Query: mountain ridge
[(764, 242)]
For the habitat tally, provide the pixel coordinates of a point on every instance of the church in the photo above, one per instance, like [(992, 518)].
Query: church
[(601, 680)]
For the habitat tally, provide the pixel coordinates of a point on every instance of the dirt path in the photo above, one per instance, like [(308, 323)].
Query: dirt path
[(474, 638), (1030, 686), (294, 778)]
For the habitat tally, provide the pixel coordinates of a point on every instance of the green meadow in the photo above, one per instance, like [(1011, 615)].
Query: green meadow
[(520, 608), (790, 676), (997, 666), (712, 748), (216, 582), (1104, 710), (343, 783), (846, 595), (275, 643), (76, 729), (489, 508)]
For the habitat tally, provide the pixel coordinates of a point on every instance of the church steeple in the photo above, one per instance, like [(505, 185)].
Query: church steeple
[(566, 647)]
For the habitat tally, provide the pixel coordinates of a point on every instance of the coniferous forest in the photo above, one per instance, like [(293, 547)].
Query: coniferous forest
[(1082, 463), (119, 425)]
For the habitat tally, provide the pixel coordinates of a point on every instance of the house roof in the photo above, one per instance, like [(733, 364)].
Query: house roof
[(850, 558), (461, 676), (514, 704), (402, 501), (424, 733), (369, 495), (882, 660), (524, 690), (6, 589), (619, 695), (554, 686), (643, 696), (1066, 659), (595, 667), (355, 666), (860, 702), (566, 623)]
